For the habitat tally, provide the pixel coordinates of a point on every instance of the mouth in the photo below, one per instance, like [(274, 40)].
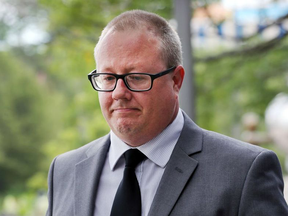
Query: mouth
[(124, 110)]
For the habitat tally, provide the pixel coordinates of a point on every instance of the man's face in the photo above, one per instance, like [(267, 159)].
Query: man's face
[(136, 117)]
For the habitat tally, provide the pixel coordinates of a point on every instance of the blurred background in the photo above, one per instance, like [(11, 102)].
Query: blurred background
[(239, 58)]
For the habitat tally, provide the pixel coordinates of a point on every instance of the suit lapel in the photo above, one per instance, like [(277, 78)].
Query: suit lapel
[(179, 169), (87, 174)]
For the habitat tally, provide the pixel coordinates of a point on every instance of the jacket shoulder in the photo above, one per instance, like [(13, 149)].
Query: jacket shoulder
[(228, 144), (72, 157)]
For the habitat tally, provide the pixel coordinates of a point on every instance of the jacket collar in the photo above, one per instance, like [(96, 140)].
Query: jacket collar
[(87, 173), (179, 169)]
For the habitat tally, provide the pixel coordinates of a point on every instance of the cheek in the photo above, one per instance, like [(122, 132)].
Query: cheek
[(166, 102), (165, 93), (153, 105), (104, 101)]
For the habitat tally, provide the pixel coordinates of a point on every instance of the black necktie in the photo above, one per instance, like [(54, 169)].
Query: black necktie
[(127, 201)]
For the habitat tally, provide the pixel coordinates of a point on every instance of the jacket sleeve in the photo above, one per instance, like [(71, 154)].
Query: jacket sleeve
[(263, 188), (50, 189)]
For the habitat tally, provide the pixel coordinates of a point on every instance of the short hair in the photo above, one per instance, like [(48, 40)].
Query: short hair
[(171, 50)]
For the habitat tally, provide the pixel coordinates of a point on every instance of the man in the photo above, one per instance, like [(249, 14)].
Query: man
[(187, 170)]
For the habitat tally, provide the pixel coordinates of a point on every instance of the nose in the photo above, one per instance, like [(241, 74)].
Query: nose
[(121, 91)]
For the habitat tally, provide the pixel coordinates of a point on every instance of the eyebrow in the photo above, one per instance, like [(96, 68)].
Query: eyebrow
[(126, 70)]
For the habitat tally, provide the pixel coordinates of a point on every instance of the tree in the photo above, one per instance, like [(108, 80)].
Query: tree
[(26, 122), (230, 86)]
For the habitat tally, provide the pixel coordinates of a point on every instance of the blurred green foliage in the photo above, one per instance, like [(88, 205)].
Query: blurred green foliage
[(48, 107), (25, 122), (229, 87)]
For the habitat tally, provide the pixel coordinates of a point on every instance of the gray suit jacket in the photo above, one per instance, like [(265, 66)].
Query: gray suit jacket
[(208, 174)]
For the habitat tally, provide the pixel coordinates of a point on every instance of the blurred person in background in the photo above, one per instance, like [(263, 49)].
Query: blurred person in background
[(184, 169)]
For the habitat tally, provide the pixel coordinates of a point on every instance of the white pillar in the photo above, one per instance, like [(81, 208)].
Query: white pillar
[(182, 13)]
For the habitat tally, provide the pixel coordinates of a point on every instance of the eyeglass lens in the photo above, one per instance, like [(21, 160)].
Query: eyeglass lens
[(133, 81)]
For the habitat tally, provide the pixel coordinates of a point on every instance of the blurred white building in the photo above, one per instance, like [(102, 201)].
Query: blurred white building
[(276, 118), (226, 23)]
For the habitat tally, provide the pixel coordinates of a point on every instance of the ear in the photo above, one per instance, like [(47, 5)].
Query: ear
[(178, 77)]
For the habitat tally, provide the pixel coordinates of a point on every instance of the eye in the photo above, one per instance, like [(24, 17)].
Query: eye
[(107, 78), (137, 78)]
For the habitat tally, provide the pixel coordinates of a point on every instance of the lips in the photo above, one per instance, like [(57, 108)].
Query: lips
[(124, 109)]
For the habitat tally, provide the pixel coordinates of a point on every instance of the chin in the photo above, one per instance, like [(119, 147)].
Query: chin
[(127, 128)]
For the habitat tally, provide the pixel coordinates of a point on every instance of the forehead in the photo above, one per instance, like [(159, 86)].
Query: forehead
[(130, 40), (128, 47)]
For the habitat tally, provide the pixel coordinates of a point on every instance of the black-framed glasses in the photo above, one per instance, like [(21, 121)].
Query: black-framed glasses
[(136, 82)]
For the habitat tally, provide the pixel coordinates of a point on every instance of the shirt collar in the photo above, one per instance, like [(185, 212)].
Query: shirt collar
[(158, 150)]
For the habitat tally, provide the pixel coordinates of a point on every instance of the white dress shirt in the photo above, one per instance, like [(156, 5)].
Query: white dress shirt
[(149, 172)]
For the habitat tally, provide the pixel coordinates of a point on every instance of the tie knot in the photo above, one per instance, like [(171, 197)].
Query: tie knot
[(133, 157)]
